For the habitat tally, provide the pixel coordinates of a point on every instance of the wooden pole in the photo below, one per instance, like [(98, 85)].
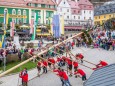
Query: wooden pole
[(26, 61)]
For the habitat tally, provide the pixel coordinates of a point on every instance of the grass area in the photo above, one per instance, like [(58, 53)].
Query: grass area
[(28, 65)]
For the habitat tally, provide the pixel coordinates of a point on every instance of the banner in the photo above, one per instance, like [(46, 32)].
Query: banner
[(32, 26), (56, 26), (12, 24)]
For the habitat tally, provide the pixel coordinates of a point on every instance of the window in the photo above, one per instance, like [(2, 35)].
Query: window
[(39, 5), (13, 12), (67, 10), (19, 20), (61, 9), (109, 16), (99, 17), (89, 12), (19, 12), (74, 17), (47, 14), (64, 2), (84, 18), (38, 13), (84, 11), (78, 17), (89, 17), (47, 22), (68, 17), (104, 16), (24, 13)]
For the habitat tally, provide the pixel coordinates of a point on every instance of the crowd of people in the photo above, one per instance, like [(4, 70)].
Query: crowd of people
[(48, 62), (103, 39)]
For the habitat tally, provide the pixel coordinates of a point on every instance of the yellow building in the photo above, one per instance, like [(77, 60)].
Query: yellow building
[(104, 12)]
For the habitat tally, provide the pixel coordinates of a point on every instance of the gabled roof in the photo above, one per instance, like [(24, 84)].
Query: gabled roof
[(102, 77), (73, 4), (84, 2)]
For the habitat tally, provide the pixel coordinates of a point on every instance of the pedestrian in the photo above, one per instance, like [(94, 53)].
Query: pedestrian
[(39, 68), (65, 78), (59, 74), (24, 76), (82, 74), (45, 64), (80, 57), (75, 64), (69, 62), (102, 64)]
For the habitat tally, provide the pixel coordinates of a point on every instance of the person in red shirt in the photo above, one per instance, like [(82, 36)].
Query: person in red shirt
[(80, 57), (75, 64), (39, 67), (102, 63), (24, 76), (65, 78), (69, 62), (45, 64), (72, 44), (82, 73), (51, 61), (59, 74)]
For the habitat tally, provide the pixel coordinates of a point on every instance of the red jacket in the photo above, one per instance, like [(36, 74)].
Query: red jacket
[(59, 72), (81, 72), (24, 77), (80, 56), (75, 64), (103, 63), (45, 63), (64, 75), (39, 64), (69, 62), (58, 59), (72, 43)]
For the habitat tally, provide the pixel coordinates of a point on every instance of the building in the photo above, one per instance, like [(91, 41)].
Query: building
[(104, 12), (76, 13), (102, 77), (23, 11)]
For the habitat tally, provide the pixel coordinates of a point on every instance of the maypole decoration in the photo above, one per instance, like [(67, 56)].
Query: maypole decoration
[(12, 24)]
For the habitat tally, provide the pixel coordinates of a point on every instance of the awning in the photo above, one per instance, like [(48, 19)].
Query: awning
[(73, 27)]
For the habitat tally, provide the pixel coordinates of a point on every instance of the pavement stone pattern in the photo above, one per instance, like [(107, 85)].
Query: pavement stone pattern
[(50, 79)]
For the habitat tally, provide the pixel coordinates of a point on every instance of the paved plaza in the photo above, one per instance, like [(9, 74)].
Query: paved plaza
[(50, 79)]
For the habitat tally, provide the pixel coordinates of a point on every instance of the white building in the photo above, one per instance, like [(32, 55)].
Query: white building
[(77, 13)]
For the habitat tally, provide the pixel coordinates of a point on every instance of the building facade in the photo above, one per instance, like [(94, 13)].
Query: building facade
[(22, 11), (76, 13), (104, 12)]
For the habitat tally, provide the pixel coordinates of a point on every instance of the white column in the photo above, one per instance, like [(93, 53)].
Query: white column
[(30, 14), (44, 16)]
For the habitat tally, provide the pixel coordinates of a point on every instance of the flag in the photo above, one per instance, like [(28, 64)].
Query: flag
[(56, 26), (31, 26), (12, 24)]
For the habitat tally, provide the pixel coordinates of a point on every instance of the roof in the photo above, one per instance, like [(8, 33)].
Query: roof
[(48, 2), (21, 3), (85, 2), (102, 77), (73, 4), (105, 9)]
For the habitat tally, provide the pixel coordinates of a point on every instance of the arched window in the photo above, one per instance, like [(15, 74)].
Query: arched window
[(13, 12), (19, 12), (24, 13)]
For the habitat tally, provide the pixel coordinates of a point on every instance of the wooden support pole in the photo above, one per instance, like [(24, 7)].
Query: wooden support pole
[(26, 61)]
